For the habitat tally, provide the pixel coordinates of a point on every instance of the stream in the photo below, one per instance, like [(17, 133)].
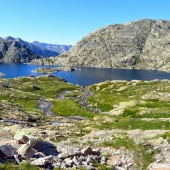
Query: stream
[(46, 107)]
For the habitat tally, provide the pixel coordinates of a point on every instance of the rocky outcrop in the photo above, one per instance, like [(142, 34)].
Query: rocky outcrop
[(26, 136), (61, 157), (15, 52), (143, 44), (47, 70)]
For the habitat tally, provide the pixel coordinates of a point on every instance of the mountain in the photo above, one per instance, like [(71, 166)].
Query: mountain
[(53, 47), (35, 48), (143, 44), (12, 51), (42, 49)]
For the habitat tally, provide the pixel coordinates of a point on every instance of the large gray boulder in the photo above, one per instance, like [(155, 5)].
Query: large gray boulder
[(7, 151), (26, 136), (26, 151)]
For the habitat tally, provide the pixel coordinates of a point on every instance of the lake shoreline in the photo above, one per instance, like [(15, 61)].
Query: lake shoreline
[(85, 76)]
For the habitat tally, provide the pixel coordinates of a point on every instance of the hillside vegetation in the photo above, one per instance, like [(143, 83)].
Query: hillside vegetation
[(127, 119)]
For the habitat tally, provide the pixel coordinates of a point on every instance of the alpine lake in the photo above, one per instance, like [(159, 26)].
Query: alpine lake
[(85, 76)]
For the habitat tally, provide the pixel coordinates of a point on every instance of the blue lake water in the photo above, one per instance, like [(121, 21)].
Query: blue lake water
[(85, 75)]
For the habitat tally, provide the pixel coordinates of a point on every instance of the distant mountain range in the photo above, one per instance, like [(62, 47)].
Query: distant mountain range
[(42, 49), (53, 47), (14, 50)]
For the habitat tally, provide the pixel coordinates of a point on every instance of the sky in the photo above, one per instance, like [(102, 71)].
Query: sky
[(68, 21)]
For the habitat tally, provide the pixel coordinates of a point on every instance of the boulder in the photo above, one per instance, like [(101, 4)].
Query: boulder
[(158, 166), (26, 151), (39, 162), (67, 149), (7, 151), (86, 151), (26, 136), (113, 160)]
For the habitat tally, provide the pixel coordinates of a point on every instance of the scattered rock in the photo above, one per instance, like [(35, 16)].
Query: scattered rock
[(26, 136), (7, 151), (39, 162), (158, 166), (86, 151), (26, 151), (113, 160)]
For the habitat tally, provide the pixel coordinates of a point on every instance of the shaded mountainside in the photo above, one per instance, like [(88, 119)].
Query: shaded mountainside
[(144, 44), (42, 49), (14, 52), (35, 48)]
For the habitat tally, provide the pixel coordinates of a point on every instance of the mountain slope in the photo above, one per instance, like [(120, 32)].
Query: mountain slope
[(14, 52), (42, 49), (35, 48), (143, 44), (53, 47)]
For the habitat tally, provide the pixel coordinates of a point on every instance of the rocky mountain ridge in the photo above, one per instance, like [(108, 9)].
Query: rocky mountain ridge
[(53, 47), (143, 44), (15, 52), (42, 49)]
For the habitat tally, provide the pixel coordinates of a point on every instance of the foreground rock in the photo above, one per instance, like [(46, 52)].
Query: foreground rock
[(7, 151), (80, 155), (159, 166), (26, 136), (61, 156), (26, 152)]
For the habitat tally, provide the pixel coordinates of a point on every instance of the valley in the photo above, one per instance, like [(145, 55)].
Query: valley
[(126, 122)]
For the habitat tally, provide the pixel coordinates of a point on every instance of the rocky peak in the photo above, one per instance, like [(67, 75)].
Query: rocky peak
[(9, 38), (15, 51), (41, 49), (141, 44), (17, 44)]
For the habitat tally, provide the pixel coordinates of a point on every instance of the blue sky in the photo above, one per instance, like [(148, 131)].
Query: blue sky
[(68, 21)]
